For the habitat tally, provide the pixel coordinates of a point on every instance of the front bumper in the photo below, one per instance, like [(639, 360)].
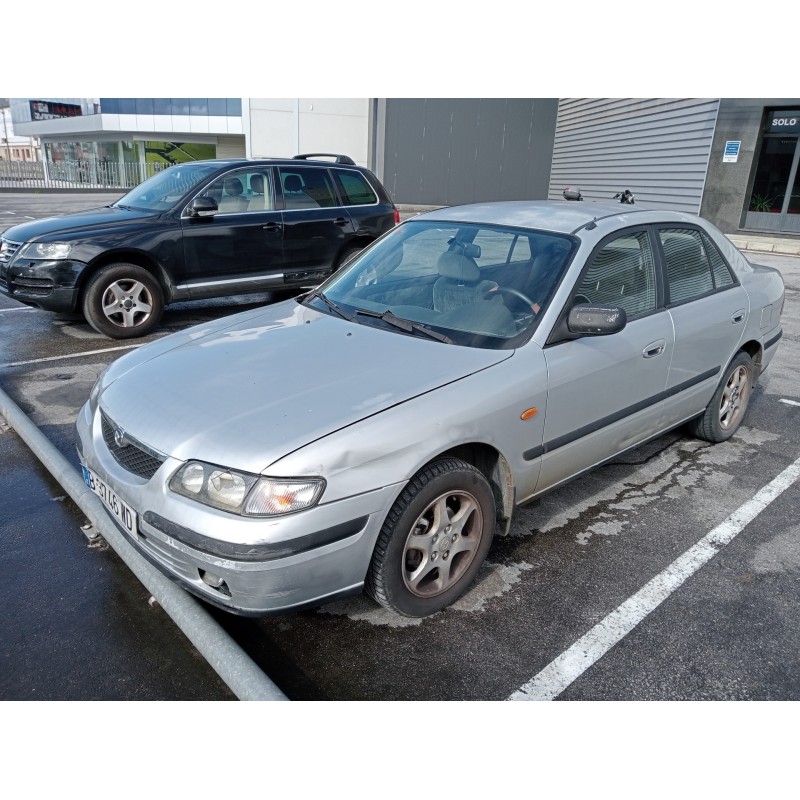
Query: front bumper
[(278, 564), (51, 285)]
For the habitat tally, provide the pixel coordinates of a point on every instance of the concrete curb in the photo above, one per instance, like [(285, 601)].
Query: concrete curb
[(227, 659)]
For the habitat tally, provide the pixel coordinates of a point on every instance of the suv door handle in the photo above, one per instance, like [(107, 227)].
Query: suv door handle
[(654, 349), (272, 226), (340, 221)]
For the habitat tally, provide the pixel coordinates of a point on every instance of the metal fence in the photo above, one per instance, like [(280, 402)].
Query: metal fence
[(74, 174)]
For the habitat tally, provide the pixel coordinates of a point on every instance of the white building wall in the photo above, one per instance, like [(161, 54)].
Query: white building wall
[(287, 126)]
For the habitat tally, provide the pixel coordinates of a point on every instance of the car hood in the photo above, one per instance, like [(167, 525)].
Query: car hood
[(73, 223), (251, 392)]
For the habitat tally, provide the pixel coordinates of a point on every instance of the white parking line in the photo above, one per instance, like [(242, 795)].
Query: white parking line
[(24, 308), (572, 663), (789, 402), (70, 355)]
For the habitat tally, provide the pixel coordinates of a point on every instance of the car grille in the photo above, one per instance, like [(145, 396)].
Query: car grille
[(132, 456), (33, 287), (7, 250)]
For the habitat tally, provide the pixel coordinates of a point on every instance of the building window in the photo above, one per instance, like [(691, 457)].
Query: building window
[(178, 106)]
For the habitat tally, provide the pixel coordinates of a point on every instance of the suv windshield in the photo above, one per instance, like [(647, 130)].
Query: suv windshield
[(162, 191), (479, 285)]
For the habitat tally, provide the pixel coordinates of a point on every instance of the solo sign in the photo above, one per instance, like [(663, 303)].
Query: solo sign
[(784, 122)]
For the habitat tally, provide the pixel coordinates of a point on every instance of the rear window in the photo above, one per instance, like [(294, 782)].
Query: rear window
[(355, 188)]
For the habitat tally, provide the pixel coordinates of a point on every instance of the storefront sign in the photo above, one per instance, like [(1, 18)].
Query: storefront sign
[(731, 152), (41, 109), (784, 122)]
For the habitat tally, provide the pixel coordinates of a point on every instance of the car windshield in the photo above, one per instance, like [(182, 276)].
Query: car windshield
[(478, 285), (165, 189)]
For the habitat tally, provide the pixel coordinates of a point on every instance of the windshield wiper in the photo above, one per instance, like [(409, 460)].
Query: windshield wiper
[(328, 302), (404, 324)]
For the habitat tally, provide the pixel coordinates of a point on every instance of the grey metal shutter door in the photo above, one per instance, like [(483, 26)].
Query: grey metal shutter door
[(657, 148)]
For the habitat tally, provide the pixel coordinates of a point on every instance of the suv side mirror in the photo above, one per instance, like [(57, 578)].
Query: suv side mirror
[(590, 320), (203, 206)]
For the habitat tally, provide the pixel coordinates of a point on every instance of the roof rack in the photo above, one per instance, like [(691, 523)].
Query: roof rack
[(339, 159)]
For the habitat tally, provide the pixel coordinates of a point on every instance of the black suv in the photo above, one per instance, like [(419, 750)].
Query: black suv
[(197, 230)]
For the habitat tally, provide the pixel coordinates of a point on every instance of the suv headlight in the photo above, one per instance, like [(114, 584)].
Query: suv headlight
[(46, 250), (244, 493)]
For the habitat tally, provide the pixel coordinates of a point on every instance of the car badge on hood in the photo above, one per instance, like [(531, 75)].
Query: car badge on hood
[(119, 438)]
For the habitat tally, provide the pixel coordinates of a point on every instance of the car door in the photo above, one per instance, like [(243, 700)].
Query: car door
[(240, 248), (709, 310), (316, 224), (605, 392)]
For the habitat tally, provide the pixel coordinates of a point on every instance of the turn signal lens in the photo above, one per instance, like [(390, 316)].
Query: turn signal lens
[(273, 496)]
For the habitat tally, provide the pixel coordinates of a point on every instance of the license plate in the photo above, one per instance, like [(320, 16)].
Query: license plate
[(124, 514)]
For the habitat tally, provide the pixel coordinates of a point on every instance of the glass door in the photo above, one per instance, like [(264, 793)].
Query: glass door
[(774, 203)]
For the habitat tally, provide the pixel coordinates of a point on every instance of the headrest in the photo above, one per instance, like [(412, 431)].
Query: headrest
[(458, 268), (293, 183), (257, 183), (233, 186)]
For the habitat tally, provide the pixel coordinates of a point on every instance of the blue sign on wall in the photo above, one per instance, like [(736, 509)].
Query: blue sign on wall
[(731, 152)]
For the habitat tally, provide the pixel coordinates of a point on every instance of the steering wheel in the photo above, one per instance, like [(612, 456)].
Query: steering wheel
[(528, 302)]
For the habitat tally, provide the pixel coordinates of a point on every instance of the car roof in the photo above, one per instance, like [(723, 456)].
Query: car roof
[(554, 215)]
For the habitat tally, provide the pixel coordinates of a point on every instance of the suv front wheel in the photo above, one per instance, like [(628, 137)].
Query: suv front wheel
[(123, 301)]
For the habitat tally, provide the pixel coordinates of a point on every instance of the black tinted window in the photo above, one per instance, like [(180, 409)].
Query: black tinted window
[(354, 188), (307, 187)]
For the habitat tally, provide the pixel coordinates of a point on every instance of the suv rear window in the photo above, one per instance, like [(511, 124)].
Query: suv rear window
[(354, 188)]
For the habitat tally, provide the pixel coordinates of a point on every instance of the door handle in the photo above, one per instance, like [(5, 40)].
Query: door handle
[(272, 226), (654, 349), (738, 316), (340, 221)]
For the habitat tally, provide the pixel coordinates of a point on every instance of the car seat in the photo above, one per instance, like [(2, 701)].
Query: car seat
[(459, 282), (258, 200), (232, 199)]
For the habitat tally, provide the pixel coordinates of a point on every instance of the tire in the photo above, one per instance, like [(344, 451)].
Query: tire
[(727, 407), (348, 254), (447, 504), (123, 301)]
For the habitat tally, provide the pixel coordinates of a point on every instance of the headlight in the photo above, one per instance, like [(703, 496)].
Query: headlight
[(244, 493), (46, 250)]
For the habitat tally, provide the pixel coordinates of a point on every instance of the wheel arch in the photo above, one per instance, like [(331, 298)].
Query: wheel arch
[(495, 468), (754, 349), (135, 257), (360, 241)]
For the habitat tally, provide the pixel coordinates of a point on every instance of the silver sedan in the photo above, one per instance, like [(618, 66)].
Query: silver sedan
[(377, 432)]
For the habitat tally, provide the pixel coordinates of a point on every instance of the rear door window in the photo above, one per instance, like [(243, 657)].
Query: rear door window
[(688, 269), (307, 187)]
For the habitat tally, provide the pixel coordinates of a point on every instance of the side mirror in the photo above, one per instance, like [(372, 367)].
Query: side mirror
[(590, 320), (203, 206)]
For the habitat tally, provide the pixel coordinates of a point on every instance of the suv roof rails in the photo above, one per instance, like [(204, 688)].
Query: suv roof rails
[(339, 159)]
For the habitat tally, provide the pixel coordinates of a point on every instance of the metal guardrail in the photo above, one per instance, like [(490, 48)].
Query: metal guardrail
[(226, 658), (90, 175)]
